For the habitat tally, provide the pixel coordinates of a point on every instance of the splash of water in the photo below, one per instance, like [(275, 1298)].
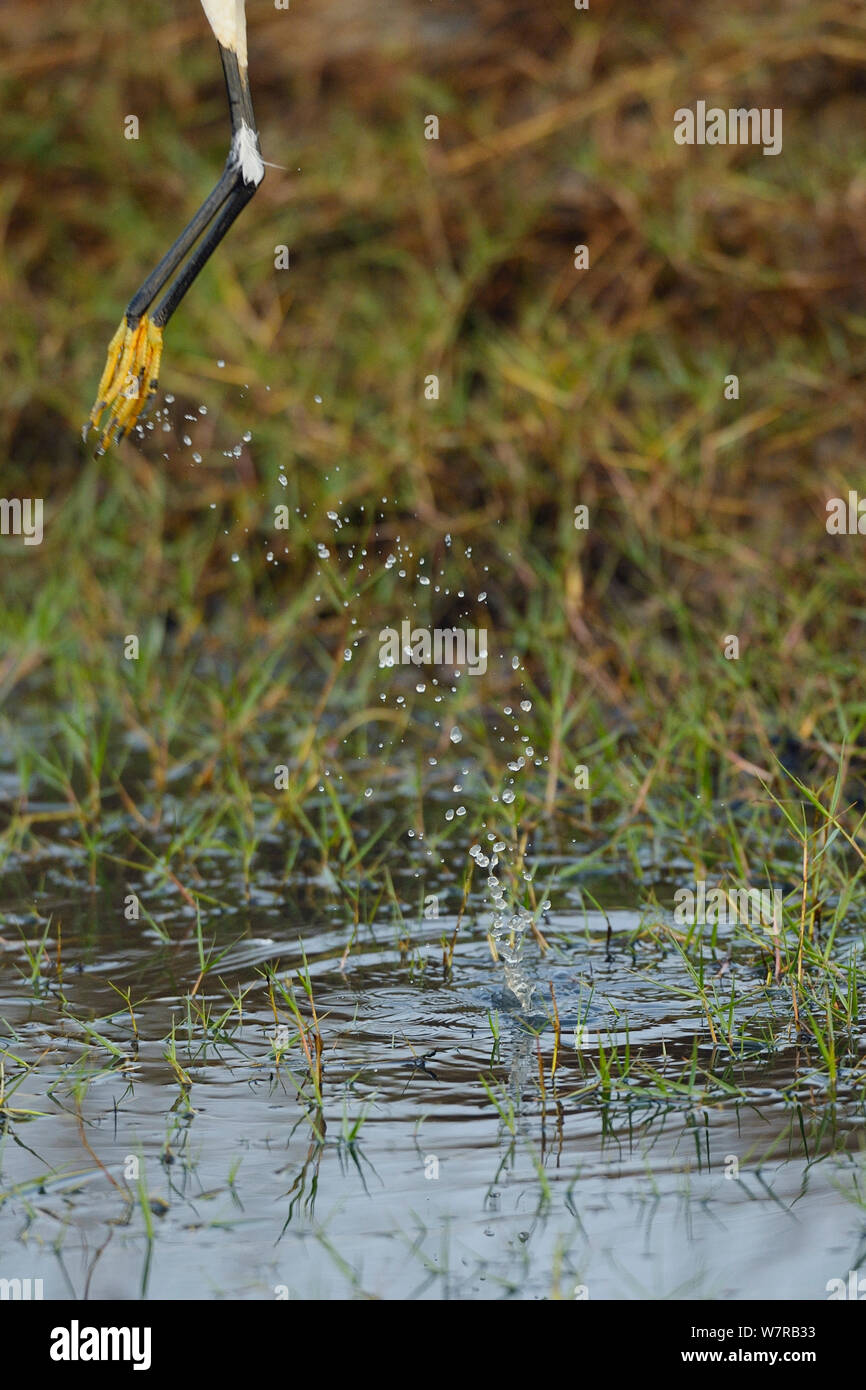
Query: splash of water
[(509, 927)]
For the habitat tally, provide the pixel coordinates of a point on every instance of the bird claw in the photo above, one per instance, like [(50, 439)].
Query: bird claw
[(128, 382)]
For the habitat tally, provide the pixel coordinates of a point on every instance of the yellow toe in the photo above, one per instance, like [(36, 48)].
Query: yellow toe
[(129, 380)]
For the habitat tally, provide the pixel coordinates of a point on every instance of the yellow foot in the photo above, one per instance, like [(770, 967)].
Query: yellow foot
[(128, 382)]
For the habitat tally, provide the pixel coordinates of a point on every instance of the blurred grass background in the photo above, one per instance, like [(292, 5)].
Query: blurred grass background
[(558, 387)]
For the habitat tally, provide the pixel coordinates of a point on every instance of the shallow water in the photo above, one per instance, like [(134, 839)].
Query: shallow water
[(621, 1192)]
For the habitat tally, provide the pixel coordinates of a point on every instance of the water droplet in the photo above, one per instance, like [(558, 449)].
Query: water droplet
[(455, 735)]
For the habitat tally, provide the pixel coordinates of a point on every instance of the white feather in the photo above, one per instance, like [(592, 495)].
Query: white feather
[(245, 154)]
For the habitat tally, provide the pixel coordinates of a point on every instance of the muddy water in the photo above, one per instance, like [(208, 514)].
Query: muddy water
[(627, 1191)]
